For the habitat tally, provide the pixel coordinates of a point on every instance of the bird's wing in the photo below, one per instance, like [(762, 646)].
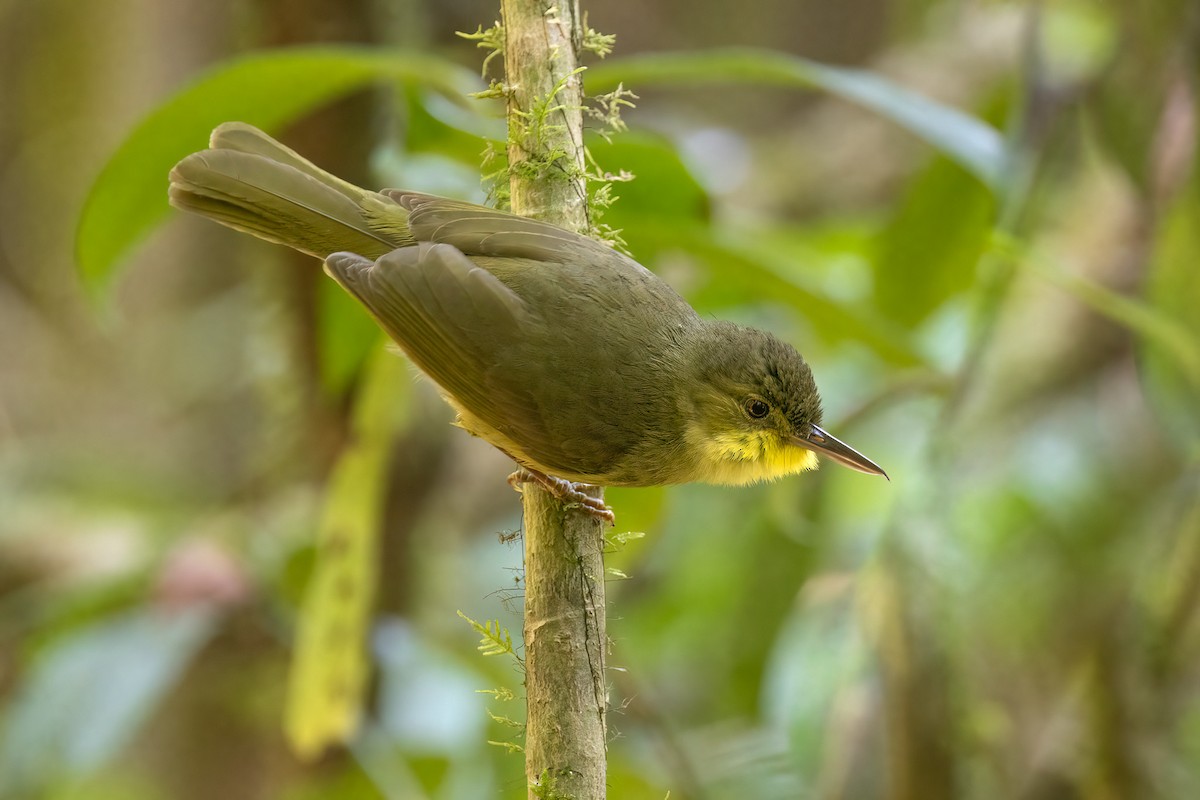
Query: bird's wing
[(477, 230), (457, 322)]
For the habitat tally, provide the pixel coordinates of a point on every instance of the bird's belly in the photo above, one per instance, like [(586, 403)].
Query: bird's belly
[(559, 465)]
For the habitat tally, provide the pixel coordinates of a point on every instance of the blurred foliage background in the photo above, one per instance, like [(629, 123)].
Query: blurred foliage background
[(1000, 309)]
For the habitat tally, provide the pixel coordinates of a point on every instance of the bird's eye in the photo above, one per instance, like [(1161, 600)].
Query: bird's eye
[(757, 408)]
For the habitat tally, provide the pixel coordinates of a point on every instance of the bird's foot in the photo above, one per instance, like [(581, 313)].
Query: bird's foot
[(566, 491)]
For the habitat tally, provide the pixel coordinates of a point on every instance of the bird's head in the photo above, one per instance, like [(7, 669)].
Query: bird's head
[(755, 411)]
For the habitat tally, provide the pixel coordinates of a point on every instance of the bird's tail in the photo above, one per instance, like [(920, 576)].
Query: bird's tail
[(250, 182)]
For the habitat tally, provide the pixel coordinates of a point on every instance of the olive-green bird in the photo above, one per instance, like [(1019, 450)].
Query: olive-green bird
[(573, 359)]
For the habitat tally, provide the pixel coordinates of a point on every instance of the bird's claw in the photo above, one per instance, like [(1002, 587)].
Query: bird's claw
[(566, 491)]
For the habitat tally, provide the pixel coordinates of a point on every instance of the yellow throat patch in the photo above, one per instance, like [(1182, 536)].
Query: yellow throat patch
[(742, 457)]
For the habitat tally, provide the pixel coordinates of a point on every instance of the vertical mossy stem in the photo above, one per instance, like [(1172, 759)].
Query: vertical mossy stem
[(564, 626)]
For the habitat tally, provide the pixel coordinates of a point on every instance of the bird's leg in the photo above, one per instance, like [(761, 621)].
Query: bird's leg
[(564, 490)]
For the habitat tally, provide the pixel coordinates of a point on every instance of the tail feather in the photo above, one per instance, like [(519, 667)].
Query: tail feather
[(251, 183), (245, 138)]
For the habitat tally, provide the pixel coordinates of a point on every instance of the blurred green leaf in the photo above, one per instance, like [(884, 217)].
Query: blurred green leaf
[(818, 658), (1173, 367), (663, 188), (265, 89), (976, 146), (345, 337), (331, 663), (434, 123), (1078, 41), (91, 692), (664, 210), (929, 249), (1127, 105), (1167, 327), (1160, 331), (638, 510), (742, 269)]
